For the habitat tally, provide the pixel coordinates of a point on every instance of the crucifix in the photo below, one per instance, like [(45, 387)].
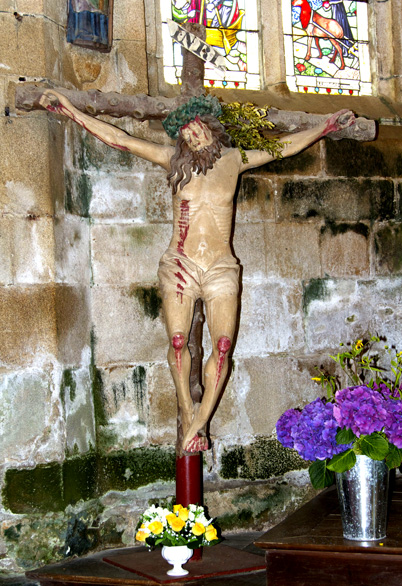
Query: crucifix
[(198, 266)]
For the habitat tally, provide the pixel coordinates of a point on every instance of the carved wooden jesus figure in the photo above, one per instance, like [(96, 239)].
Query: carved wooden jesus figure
[(203, 170)]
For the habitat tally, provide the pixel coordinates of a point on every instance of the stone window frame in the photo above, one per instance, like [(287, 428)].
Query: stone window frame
[(385, 54)]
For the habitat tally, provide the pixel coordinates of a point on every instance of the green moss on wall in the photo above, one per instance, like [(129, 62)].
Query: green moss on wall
[(139, 236), (370, 199), (52, 487), (13, 533), (68, 384), (130, 470), (254, 506), (39, 489), (78, 193), (388, 248), (139, 378), (242, 519), (97, 387), (335, 228), (248, 190), (265, 458), (99, 156), (81, 535), (313, 290), (306, 162), (232, 463), (150, 300), (98, 396), (80, 478), (350, 158)]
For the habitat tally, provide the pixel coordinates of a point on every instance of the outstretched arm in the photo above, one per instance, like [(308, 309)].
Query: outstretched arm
[(107, 133), (299, 141)]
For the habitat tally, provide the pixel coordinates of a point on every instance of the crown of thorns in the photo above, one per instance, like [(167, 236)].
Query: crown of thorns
[(196, 106)]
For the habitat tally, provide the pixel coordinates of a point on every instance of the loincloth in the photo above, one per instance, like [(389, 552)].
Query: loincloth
[(182, 275)]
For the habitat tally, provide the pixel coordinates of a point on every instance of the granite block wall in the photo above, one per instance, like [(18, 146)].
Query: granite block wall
[(87, 406)]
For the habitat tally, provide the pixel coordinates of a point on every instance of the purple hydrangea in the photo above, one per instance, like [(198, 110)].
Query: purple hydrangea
[(311, 432), (386, 392), (393, 427), (285, 425), (361, 409)]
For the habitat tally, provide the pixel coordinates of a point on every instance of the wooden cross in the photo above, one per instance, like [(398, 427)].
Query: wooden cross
[(144, 107)]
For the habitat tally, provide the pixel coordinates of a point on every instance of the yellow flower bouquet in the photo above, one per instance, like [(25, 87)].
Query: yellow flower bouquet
[(176, 526)]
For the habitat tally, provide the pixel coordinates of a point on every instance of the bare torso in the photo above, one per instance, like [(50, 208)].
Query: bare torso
[(203, 212)]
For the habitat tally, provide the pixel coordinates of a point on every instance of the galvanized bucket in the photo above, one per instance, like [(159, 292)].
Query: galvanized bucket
[(363, 499)]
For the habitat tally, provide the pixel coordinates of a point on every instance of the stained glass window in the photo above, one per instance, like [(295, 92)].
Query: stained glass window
[(327, 46), (232, 29), (89, 23)]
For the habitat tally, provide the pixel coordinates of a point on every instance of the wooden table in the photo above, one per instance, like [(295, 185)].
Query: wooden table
[(237, 564), (308, 548)]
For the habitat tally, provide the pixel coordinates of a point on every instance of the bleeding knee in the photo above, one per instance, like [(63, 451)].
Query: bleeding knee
[(224, 345), (178, 341)]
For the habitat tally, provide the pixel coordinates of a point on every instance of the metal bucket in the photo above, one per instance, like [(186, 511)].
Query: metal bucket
[(363, 499)]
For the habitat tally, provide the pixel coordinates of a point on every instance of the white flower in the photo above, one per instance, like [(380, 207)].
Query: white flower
[(202, 519)]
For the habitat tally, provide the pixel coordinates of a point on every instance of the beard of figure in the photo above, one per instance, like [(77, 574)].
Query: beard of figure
[(184, 162)]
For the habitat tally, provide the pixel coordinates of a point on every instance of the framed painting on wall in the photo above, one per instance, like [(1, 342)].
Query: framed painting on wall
[(90, 24)]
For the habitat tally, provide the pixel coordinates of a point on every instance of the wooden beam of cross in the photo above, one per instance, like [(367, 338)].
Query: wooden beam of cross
[(142, 107)]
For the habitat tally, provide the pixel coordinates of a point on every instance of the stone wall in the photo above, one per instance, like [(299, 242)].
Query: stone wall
[(87, 409)]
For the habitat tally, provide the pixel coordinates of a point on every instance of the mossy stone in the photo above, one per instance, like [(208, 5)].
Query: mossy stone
[(52, 487), (34, 490), (388, 248), (350, 158), (370, 199), (80, 478), (314, 290), (248, 190), (78, 189), (335, 228), (139, 378), (68, 383), (265, 458), (305, 163), (130, 470), (149, 299), (140, 236)]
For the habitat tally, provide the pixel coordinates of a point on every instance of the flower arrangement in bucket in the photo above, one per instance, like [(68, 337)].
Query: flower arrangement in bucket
[(355, 432), (178, 530)]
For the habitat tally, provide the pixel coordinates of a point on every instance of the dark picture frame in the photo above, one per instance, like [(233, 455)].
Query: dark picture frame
[(90, 24)]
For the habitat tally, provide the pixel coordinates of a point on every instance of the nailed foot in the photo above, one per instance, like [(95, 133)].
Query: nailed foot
[(196, 444)]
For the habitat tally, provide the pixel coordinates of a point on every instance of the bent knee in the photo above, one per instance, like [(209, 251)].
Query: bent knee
[(224, 344), (178, 341)]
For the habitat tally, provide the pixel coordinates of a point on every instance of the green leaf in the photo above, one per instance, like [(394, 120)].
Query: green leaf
[(319, 475), (345, 436), (374, 446), (342, 462), (394, 458)]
